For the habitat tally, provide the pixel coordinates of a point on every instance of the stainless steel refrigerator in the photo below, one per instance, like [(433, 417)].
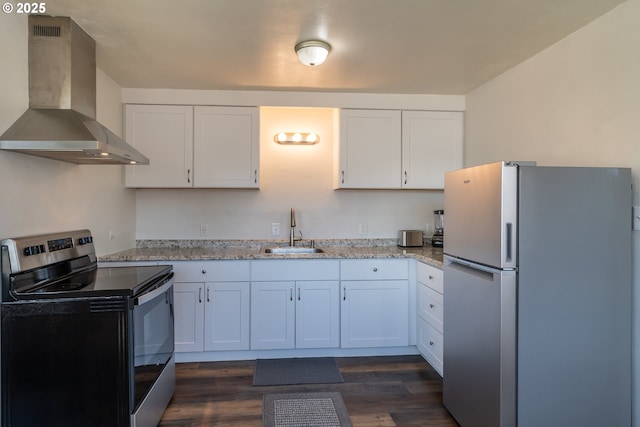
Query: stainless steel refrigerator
[(537, 296)]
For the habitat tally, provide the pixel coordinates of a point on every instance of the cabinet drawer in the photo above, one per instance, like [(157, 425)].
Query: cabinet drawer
[(430, 276), (430, 345), (430, 306), (374, 269), (277, 270), (212, 271)]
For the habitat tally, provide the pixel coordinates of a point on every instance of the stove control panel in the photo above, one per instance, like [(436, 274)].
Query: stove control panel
[(31, 252)]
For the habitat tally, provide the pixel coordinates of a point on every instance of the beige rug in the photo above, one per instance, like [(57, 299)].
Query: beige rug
[(305, 409)]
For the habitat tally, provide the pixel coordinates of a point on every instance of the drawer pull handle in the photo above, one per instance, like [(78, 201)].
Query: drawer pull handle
[(298, 293), (199, 294), (344, 293), (431, 305), (208, 294), (375, 269), (291, 293)]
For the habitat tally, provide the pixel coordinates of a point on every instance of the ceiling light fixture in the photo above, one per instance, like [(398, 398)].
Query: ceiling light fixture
[(296, 138), (312, 52)]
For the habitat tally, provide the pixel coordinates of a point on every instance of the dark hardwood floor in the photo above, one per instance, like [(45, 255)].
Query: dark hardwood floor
[(378, 391)]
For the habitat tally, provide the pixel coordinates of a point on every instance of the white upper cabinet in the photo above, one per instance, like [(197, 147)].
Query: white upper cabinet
[(226, 147), (214, 147), (163, 133), (431, 146), (397, 149), (369, 149)]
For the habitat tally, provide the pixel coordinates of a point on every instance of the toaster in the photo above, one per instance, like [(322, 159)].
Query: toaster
[(410, 238)]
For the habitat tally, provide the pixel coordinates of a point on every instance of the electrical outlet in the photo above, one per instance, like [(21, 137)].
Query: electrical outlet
[(363, 228), (204, 229), (275, 228), (112, 235)]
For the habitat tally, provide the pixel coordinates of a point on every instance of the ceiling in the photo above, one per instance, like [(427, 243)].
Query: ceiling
[(378, 46)]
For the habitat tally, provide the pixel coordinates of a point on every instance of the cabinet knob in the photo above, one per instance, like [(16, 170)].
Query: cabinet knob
[(430, 342), (375, 269), (430, 277), (431, 305), (204, 271)]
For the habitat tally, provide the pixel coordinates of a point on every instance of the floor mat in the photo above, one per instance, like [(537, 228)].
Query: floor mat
[(305, 409), (311, 370)]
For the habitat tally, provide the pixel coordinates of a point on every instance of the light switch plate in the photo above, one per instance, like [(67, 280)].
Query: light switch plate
[(636, 218)]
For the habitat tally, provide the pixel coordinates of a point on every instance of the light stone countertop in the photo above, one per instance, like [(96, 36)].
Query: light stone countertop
[(208, 250)]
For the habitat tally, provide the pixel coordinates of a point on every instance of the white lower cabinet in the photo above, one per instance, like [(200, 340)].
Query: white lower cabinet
[(213, 313), (295, 304), (189, 317), (430, 326), (226, 316), (375, 303), (301, 314)]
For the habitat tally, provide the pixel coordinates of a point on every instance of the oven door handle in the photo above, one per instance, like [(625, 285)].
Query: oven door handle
[(148, 296)]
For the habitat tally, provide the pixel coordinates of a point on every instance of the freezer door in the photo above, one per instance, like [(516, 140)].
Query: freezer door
[(479, 344), (480, 205)]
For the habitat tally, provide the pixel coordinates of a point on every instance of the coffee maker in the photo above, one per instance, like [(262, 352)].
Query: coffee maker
[(437, 241)]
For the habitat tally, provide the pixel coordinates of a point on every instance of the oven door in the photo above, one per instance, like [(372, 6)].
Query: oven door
[(154, 366)]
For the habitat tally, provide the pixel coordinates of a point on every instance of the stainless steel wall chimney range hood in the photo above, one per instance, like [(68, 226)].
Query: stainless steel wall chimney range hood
[(60, 122)]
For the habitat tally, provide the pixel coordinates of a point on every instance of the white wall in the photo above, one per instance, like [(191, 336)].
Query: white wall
[(576, 103), (291, 176), (41, 195)]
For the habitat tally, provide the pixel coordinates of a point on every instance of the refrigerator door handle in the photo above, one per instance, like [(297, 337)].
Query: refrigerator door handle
[(509, 234), (470, 267)]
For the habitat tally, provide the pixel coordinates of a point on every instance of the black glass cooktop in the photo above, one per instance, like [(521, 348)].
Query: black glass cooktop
[(92, 282)]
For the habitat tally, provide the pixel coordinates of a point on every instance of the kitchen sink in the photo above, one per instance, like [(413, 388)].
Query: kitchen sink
[(292, 250)]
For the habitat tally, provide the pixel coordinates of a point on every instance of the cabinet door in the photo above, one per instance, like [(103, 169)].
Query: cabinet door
[(189, 316), (431, 145), (375, 313), (369, 149), (317, 314), (226, 317), (272, 315), (430, 345), (163, 133), (226, 147)]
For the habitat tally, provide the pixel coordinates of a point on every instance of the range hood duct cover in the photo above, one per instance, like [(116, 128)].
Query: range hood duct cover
[(61, 120)]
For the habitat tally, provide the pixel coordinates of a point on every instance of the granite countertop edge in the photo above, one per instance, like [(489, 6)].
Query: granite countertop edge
[(253, 250)]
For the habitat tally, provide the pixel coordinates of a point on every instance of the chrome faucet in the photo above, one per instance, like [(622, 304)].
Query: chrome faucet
[(292, 231)]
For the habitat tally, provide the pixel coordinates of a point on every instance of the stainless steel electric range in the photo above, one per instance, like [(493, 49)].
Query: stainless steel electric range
[(82, 345)]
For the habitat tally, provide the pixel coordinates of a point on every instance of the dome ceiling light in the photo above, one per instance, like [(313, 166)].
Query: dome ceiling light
[(312, 52)]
